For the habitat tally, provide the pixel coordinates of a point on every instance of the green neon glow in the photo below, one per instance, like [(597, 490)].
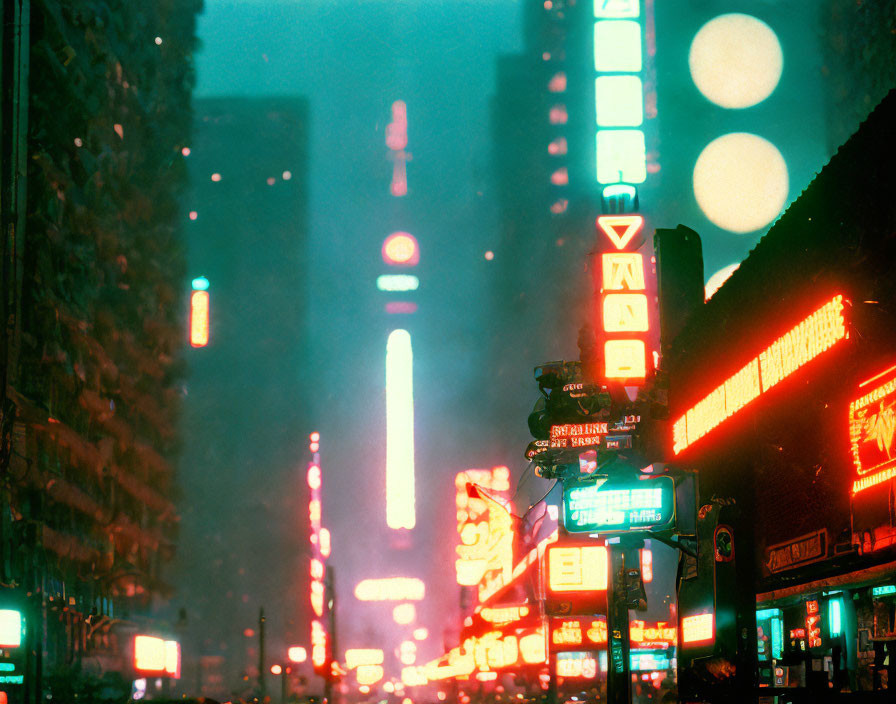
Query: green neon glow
[(886, 589), (621, 156), (200, 283), (397, 282), (600, 508), (617, 8), (10, 628), (834, 607), (7, 667), (619, 101), (617, 46)]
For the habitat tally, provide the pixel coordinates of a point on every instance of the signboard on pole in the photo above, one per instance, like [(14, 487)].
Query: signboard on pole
[(615, 507)]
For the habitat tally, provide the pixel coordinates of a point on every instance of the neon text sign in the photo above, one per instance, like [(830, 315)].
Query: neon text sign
[(872, 432)]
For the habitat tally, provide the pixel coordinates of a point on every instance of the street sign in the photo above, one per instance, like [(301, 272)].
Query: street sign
[(611, 507)]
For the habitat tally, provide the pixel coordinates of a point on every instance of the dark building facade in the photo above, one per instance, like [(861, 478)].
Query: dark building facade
[(781, 391), (95, 114)]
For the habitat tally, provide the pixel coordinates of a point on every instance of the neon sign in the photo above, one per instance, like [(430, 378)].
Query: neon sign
[(593, 508), (577, 568), (577, 633), (623, 300), (872, 432), (397, 141), (485, 527), (400, 490), (10, 628), (504, 614), (199, 318), (577, 665), (797, 347), (698, 628), (577, 434)]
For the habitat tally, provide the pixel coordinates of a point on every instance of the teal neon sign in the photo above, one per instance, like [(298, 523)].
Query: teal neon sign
[(884, 590), (603, 507)]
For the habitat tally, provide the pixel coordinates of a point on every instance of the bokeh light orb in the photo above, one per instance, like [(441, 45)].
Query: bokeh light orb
[(736, 60), (401, 248), (720, 277), (741, 182), (403, 614)]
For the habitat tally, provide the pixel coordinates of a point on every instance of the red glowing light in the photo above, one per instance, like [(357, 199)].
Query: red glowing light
[(185, 151), (276, 669), (397, 130), (199, 318), (620, 229), (558, 115), (401, 249), (216, 177), (796, 348), (557, 147), (314, 437), (314, 479), (646, 564), (560, 206), (193, 215), (401, 307), (871, 432), (557, 84), (560, 177), (489, 255)]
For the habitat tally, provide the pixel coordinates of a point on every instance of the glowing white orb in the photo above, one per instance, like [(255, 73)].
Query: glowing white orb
[(740, 182), (716, 280), (736, 60)]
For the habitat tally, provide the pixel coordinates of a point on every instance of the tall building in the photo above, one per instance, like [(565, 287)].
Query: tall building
[(247, 411), (93, 124)]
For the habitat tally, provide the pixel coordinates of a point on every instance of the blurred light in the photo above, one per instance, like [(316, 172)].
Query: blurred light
[(740, 182), (249, 633), (316, 569), (646, 565), (421, 634), (413, 677), (533, 649), (400, 491), (390, 589), (297, 653), (557, 147), (270, 180), (720, 277), (621, 156), (364, 689), (158, 41), (560, 177), (397, 130), (314, 479), (318, 644), (407, 653), (558, 115), (119, 130), (313, 446), (614, 9), (200, 283), (149, 654), (276, 669), (407, 700), (403, 614), (489, 255), (486, 676), (617, 46), (369, 674), (401, 307), (559, 206), (389, 687), (355, 657), (10, 628), (193, 215), (172, 658), (325, 542), (314, 437), (619, 101), (79, 142), (557, 84), (736, 60), (397, 282), (834, 619), (286, 175), (199, 318), (401, 249), (314, 511), (441, 696), (546, 56), (185, 151), (216, 177)]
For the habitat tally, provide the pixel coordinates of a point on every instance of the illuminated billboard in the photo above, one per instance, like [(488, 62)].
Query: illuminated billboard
[(872, 431), (484, 525), (600, 508)]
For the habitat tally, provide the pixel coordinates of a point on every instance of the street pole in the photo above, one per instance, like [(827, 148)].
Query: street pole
[(284, 674), (619, 681), (330, 591), (262, 690)]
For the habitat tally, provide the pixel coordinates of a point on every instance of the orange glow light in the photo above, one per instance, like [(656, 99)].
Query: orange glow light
[(276, 670), (172, 658), (403, 614), (369, 674), (318, 644), (797, 347), (872, 426), (620, 229), (401, 249), (625, 359), (390, 589), (504, 614), (314, 479), (355, 657), (646, 565), (622, 271), (625, 312), (199, 318), (577, 568), (324, 542), (296, 653), (697, 628)]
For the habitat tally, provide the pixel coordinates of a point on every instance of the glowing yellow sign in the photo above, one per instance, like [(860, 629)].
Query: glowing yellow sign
[(579, 568), (625, 312), (698, 628), (369, 674), (504, 614), (484, 526), (797, 347), (390, 589), (623, 271), (620, 229), (355, 657), (199, 318)]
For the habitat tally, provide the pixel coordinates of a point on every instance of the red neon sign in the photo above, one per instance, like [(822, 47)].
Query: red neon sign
[(813, 624), (872, 432), (401, 249), (623, 300), (797, 347)]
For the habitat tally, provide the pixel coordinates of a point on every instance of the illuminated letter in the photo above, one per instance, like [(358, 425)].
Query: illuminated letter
[(625, 359), (399, 431), (625, 312), (623, 271), (620, 229)]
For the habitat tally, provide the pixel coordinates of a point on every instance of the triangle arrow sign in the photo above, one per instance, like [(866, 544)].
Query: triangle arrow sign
[(620, 228)]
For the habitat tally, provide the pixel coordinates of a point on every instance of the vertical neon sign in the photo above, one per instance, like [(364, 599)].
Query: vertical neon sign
[(400, 490), (199, 313)]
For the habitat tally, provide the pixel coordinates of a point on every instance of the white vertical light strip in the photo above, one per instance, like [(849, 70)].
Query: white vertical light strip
[(400, 512)]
